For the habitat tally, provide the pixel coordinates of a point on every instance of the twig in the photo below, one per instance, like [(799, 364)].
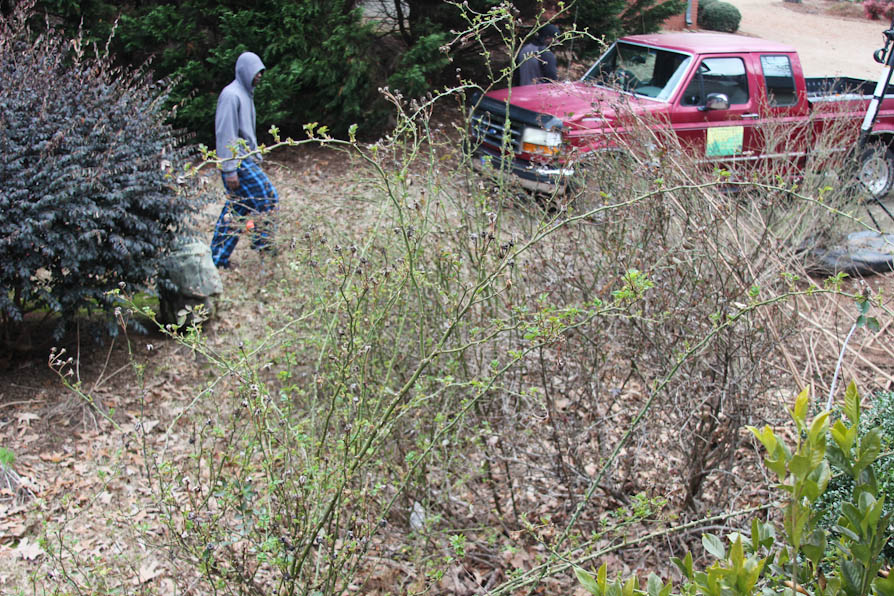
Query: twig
[(21, 403), (796, 587), (862, 358), (838, 366)]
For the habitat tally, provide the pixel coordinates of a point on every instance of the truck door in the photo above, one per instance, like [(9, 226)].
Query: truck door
[(715, 130), (782, 134)]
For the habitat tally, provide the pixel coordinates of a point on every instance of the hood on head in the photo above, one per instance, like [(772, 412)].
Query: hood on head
[(546, 32), (247, 66)]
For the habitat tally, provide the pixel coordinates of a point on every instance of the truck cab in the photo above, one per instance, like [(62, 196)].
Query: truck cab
[(717, 92)]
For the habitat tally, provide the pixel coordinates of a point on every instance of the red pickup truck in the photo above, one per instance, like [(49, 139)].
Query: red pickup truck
[(717, 92)]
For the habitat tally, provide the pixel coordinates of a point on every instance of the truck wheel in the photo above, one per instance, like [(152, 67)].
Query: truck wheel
[(876, 172)]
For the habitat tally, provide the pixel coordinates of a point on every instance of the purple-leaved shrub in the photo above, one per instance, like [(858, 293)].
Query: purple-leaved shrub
[(90, 197)]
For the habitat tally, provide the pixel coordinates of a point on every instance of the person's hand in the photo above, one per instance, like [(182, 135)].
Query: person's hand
[(231, 179)]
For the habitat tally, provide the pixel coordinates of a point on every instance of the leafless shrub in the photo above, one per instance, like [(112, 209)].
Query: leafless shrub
[(711, 242)]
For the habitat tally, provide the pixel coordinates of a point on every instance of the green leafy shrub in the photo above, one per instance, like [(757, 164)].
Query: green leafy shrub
[(319, 58), (610, 19), (90, 201), (646, 16), (419, 64), (702, 6), (841, 486), (720, 16), (325, 60), (322, 64)]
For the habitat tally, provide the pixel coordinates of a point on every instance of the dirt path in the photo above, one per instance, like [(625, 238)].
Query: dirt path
[(828, 45)]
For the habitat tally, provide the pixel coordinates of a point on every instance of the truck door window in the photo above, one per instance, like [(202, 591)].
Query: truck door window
[(779, 80), (718, 75)]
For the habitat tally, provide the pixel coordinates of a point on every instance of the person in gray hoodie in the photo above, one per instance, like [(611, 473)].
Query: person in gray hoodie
[(250, 191)]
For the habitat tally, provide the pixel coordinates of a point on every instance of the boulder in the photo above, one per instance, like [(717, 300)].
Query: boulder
[(188, 282)]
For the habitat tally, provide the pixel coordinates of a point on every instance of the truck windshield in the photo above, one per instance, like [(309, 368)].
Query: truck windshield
[(643, 70)]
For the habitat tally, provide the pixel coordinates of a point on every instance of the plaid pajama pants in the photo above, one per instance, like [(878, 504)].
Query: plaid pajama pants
[(256, 195)]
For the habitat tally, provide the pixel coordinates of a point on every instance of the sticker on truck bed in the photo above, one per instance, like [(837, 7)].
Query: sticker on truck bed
[(724, 140)]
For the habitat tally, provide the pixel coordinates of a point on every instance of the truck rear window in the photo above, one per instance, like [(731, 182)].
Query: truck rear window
[(780, 80), (643, 70)]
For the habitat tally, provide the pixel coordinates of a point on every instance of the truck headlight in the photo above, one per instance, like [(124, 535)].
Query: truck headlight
[(541, 142)]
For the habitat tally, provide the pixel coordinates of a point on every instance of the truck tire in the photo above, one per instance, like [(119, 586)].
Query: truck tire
[(876, 172)]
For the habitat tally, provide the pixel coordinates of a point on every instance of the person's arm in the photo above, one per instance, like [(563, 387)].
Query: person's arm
[(226, 134), (550, 72), (528, 67)]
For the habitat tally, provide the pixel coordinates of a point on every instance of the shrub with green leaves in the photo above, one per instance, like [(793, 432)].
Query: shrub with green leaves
[(798, 555), (880, 416), (702, 5), (90, 201), (720, 16), (326, 60), (321, 57)]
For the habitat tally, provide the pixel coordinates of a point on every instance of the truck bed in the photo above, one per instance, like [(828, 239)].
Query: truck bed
[(837, 88)]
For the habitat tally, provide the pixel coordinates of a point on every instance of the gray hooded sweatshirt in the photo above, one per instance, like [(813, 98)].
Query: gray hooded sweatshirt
[(235, 117)]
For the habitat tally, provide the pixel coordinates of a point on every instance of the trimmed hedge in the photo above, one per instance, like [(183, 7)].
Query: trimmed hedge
[(720, 16), (702, 6)]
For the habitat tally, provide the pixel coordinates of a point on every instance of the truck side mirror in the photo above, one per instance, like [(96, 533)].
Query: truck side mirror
[(717, 101)]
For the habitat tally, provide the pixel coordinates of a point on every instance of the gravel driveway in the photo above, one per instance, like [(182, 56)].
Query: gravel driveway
[(828, 45)]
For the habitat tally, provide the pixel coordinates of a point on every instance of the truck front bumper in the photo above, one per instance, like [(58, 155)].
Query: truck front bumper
[(531, 176)]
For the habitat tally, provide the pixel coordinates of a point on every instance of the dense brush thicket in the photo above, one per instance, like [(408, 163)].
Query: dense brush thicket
[(89, 200), (317, 54)]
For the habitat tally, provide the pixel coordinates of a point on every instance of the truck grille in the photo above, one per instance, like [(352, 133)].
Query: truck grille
[(487, 127)]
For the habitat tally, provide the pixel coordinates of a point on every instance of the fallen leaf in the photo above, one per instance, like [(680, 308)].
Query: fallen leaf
[(28, 550), (149, 570), (54, 457), (26, 418), (168, 586), (12, 530), (519, 559), (148, 425)]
